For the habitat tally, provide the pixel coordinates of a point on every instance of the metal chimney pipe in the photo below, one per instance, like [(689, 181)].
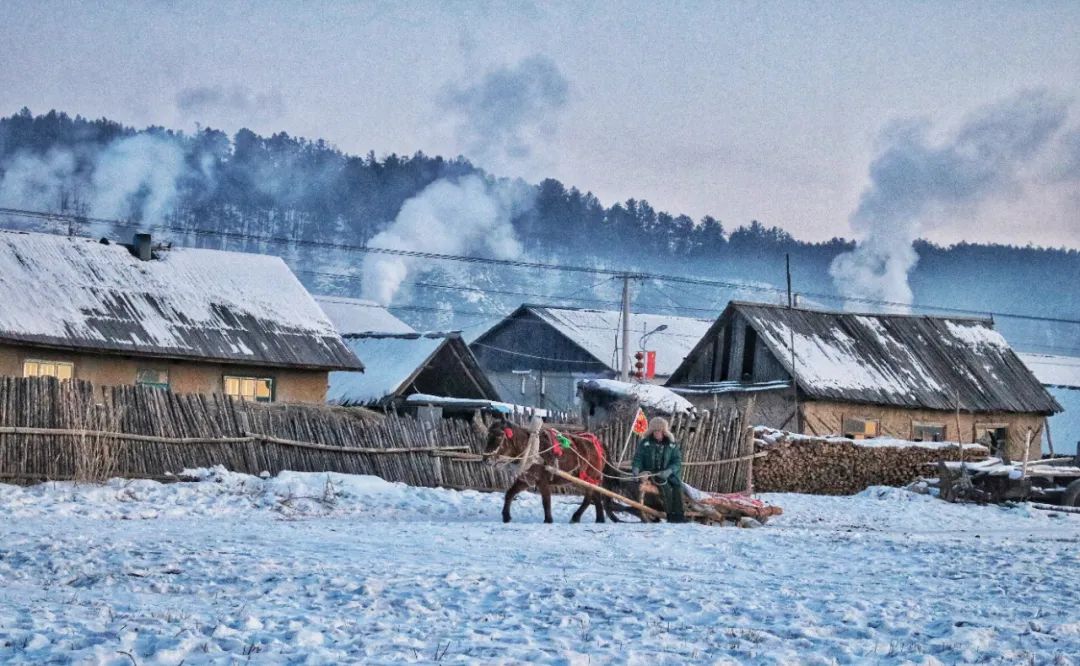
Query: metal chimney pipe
[(143, 245)]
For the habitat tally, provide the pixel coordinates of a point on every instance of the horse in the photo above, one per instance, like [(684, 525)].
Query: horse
[(585, 458)]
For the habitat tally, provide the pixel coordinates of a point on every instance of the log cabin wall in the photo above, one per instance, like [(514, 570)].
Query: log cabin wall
[(827, 418), (290, 385)]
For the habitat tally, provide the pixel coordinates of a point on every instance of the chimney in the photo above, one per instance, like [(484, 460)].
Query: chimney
[(142, 247)]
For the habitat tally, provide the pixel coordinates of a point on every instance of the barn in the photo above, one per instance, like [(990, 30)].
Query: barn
[(820, 372), (184, 319), (537, 354), (400, 363)]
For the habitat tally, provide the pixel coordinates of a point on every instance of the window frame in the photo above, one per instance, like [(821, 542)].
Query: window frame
[(39, 362), (980, 427), (851, 434), (160, 385), (944, 427), (271, 381)]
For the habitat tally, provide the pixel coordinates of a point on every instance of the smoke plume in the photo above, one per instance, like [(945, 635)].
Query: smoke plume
[(917, 182), (446, 217), (37, 182), (502, 117), (133, 177), (137, 177), (237, 100)]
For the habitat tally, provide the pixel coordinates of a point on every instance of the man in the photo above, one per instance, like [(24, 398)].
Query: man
[(659, 458)]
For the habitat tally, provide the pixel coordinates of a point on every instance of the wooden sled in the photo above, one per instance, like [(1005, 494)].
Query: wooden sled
[(709, 509)]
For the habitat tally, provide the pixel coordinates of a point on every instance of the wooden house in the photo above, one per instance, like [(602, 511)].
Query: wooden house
[(911, 377), (189, 320), (537, 354)]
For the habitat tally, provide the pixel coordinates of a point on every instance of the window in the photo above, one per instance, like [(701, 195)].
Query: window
[(857, 427), (749, 350), (994, 435), (58, 369), (259, 389), (152, 377), (927, 432)]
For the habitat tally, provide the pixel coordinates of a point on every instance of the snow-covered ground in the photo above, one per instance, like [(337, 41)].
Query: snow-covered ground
[(299, 570)]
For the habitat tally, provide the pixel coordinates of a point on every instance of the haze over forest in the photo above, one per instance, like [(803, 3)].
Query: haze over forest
[(255, 187)]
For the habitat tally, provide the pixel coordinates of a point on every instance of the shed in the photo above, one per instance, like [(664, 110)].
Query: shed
[(866, 375), (401, 364), (537, 354)]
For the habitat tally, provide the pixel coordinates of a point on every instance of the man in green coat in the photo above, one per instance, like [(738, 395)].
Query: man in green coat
[(659, 457)]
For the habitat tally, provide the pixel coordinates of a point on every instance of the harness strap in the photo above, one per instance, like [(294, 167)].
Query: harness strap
[(588, 474)]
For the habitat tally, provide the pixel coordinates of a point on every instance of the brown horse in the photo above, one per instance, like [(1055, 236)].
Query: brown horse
[(582, 459)]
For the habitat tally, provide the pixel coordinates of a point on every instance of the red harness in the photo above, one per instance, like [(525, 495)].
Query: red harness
[(587, 473)]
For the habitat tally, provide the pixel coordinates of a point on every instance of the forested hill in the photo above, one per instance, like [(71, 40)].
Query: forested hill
[(281, 186)]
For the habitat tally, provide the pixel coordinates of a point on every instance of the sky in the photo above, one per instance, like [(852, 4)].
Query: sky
[(772, 111)]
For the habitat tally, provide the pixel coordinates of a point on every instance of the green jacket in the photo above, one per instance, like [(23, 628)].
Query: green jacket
[(653, 456)]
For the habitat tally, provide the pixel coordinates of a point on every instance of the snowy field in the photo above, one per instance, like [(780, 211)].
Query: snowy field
[(292, 570)]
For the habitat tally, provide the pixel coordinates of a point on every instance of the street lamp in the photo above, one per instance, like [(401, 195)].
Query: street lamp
[(641, 342)]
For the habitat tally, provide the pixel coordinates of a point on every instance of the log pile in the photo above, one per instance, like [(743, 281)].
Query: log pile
[(838, 466)]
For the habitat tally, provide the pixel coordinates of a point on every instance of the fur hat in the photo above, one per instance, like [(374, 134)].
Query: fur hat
[(659, 428)]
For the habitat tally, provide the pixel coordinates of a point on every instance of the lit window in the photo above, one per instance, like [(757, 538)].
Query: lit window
[(58, 369), (152, 377), (928, 432), (259, 389), (861, 428)]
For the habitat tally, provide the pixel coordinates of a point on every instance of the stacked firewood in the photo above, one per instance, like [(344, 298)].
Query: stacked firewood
[(838, 466)]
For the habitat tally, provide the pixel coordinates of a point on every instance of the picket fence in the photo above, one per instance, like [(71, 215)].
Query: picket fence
[(63, 430)]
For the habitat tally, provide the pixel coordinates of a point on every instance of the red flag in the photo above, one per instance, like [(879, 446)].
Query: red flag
[(641, 423), (650, 364)]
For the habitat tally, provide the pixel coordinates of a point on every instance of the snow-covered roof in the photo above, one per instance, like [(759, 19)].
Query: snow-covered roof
[(912, 361), (393, 364), (356, 315), (1054, 370), (77, 293), (598, 333), (649, 396)]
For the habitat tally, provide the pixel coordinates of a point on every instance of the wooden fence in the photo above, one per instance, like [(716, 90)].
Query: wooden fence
[(60, 430)]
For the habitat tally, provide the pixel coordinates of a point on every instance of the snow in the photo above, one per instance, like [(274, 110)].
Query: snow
[(976, 335), (503, 407), (837, 364), (327, 568), (83, 293), (771, 437), (597, 332), (389, 361), (356, 315), (649, 396)]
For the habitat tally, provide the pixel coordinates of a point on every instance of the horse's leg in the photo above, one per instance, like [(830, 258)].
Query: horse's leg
[(598, 502), (545, 495), (518, 486), (581, 509)]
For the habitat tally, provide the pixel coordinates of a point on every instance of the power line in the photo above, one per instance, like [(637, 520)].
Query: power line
[(512, 263)]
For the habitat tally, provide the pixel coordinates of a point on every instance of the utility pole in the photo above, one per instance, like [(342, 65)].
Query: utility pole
[(624, 359), (791, 333), (787, 264)]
